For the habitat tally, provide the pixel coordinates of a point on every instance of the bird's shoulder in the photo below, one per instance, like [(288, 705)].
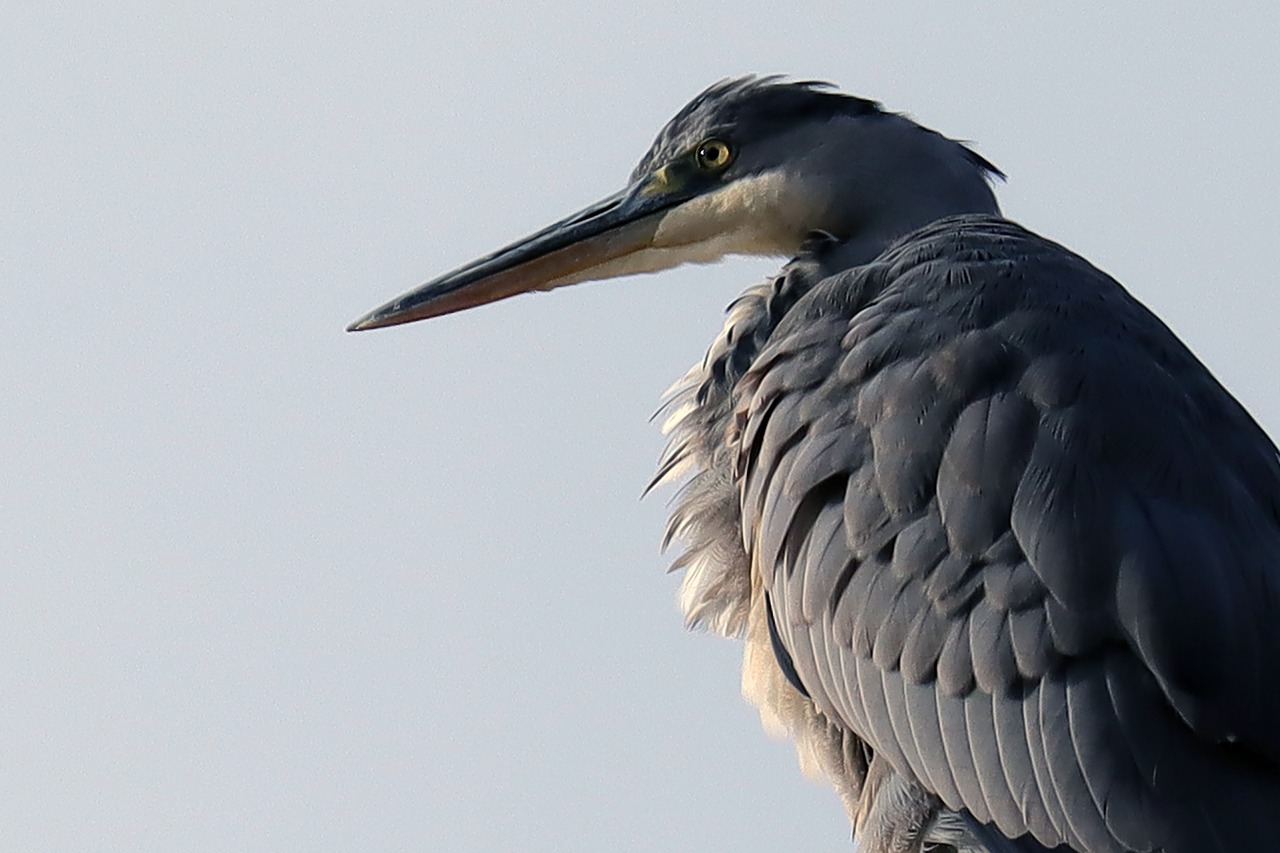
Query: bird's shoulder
[(979, 466)]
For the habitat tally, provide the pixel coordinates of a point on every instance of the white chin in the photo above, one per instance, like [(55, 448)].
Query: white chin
[(656, 259)]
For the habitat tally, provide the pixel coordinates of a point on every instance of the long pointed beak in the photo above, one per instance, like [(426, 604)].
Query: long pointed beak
[(579, 248)]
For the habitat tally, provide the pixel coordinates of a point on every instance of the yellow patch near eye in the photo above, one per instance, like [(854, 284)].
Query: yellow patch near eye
[(661, 181)]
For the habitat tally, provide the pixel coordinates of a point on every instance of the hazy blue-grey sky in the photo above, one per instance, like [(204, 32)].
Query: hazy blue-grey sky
[(269, 586)]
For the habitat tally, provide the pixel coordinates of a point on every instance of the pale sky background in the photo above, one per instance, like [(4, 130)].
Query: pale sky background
[(269, 586)]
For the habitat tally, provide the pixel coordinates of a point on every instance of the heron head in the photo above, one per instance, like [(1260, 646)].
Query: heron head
[(750, 166)]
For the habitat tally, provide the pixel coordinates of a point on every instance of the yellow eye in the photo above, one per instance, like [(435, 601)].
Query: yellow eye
[(714, 154)]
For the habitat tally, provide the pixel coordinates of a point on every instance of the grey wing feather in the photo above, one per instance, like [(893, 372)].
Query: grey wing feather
[(981, 730), (1007, 522)]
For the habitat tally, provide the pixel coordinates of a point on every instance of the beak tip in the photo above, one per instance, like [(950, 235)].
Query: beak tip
[(372, 320)]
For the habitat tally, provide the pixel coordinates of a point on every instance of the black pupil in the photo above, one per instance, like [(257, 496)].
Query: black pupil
[(712, 153)]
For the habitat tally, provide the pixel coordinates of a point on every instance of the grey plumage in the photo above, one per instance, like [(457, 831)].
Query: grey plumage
[(1005, 556), (1060, 489)]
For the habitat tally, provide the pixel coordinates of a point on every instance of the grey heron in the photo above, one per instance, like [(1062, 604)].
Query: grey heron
[(1004, 554)]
